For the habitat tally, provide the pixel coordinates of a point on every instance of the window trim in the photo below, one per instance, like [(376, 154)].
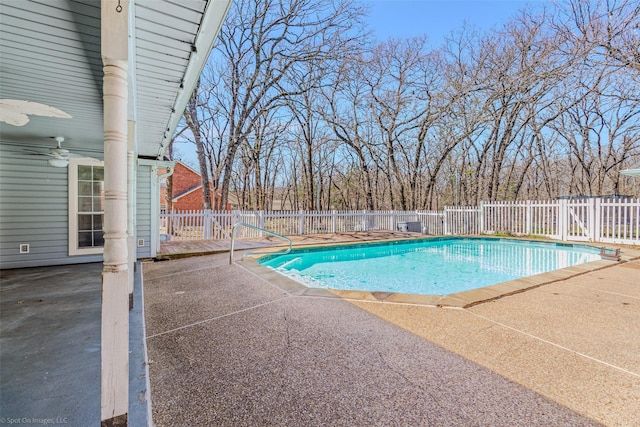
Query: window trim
[(74, 162)]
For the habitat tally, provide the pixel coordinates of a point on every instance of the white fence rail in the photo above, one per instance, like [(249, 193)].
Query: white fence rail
[(196, 225), (595, 220), (592, 220)]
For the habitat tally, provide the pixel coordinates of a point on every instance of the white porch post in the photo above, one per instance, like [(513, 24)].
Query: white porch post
[(131, 207), (115, 275)]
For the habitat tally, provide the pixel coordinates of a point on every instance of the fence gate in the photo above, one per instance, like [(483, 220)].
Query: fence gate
[(577, 219)]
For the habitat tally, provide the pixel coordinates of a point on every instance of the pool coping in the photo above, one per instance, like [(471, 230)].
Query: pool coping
[(456, 300)]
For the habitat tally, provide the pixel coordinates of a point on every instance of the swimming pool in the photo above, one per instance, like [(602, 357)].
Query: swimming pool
[(439, 266)]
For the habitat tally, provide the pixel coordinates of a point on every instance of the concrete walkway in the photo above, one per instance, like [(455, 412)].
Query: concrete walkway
[(228, 348)]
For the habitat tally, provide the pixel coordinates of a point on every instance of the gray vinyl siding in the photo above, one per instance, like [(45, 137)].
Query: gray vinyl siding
[(34, 210), (143, 211)]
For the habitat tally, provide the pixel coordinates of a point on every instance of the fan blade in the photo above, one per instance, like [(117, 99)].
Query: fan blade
[(49, 154), (31, 108), (60, 151), (13, 118), (55, 153)]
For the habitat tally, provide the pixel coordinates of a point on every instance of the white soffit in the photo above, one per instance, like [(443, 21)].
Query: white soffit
[(173, 41), (50, 54)]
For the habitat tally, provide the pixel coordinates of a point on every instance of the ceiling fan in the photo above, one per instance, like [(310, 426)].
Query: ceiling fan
[(58, 156), (16, 112)]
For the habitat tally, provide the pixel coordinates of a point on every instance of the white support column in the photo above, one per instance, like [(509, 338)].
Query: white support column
[(154, 179), (131, 206), (154, 239), (115, 275)]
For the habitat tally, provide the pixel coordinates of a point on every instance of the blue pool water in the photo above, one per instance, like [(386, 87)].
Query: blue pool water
[(430, 266)]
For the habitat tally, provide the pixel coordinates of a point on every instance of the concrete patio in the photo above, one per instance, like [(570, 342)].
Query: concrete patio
[(50, 347), (227, 347)]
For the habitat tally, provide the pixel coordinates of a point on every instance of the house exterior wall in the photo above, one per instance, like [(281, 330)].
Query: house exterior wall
[(143, 211), (34, 210)]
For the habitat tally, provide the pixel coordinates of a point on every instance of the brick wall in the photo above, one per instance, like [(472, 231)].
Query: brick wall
[(184, 178), (191, 201)]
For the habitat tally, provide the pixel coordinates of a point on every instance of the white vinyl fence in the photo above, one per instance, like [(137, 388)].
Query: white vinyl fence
[(588, 220), (195, 225), (594, 220)]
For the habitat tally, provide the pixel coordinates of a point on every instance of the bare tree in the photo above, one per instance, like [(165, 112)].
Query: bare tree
[(194, 124), (297, 105), (608, 30), (399, 103), (259, 43), (306, 125), (349, 118)]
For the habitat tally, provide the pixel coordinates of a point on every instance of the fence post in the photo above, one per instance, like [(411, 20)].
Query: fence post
[(235, 218), (596, 221), (481, 217), (529, 216), (334, 220), (206, 218), (563, 214), (445, 222), (174, 218), (261, 222), (301, 222)]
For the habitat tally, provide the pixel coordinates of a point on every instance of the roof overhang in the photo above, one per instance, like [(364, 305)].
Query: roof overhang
[(50, 54), (174, 40), (204, 40)]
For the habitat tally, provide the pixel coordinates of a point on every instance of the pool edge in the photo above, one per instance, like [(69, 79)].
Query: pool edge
[(463, 299)]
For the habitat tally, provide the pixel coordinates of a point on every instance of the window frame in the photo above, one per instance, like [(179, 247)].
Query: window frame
[(74, 248)]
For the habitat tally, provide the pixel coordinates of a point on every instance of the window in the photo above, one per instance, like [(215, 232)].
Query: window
[(86, 206)]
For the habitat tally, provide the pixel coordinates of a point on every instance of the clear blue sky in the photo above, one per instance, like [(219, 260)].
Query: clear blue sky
[(437, 18)]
